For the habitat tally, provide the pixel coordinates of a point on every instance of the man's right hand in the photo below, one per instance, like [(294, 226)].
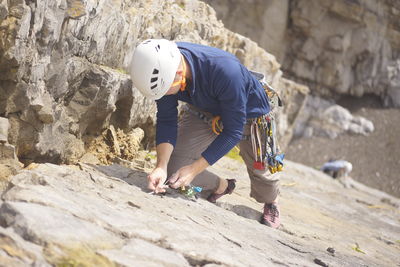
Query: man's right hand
[(156, 180)]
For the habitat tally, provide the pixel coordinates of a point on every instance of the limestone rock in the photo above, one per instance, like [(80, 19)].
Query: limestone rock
[(4, 125), (15, 251), (294, 98), (141, 252), (64, 62), (40, 224), (3, 9), (393, 98), (104, 214), (9, 164), (324, 118), (336, 47)]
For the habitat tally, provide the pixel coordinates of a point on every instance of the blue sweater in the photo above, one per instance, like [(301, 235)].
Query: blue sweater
[(220, 85)]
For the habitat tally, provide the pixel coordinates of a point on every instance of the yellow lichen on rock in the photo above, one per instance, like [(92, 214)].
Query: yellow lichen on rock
[(113, 144), (74, 257)]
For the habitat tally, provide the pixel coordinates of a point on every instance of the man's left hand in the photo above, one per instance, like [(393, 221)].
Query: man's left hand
[(183, 177)]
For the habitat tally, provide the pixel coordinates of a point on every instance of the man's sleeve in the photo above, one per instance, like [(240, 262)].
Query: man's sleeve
[(230, 90), (167, 120)]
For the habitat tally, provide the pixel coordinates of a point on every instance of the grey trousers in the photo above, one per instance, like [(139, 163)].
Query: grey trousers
[(194, 136)]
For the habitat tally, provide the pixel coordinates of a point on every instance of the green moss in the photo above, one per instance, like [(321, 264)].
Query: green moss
[(151, 156), (181, 4), (120, 70), (234, 154)]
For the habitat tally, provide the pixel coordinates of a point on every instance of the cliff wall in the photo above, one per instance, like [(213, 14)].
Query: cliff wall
[(336, 47), (63, 68)]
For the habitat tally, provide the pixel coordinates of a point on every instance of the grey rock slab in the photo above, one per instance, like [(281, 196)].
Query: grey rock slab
[(40, 225), (319, 211), (105, 205), (177, 222), (15, 251), (138, 252), (110, 206)]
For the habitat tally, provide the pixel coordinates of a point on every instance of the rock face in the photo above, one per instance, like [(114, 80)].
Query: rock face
[(9, 164), (63, 62), (103, 216), (336, 47), (326, 119)]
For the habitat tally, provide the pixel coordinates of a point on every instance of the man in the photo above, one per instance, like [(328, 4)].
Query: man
[(213, 83), (337, 168)]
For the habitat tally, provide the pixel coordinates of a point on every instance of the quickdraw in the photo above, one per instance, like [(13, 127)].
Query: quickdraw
[(190, 191)]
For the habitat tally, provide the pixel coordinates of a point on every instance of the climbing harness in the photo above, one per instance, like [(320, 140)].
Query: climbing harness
[(214, 122)]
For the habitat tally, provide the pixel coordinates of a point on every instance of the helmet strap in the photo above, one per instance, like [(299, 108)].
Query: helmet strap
[(183, 84), (182, 81)]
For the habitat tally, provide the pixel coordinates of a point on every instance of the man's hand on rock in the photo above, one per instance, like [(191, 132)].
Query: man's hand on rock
[(183, 177), (156, 180)]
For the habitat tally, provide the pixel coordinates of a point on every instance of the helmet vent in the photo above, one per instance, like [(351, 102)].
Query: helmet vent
[(153, 79), (157, 47), (153, 86), (155, 71)]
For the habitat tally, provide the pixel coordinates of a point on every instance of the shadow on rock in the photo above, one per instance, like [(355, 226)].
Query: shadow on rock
[(242, 210), (132, 177), (136, 178)]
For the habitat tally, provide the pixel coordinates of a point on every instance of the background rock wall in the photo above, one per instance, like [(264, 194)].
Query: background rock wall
[(63, 62), (336, 47)]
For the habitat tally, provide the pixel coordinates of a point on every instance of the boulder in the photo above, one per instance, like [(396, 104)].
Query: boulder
[(324, 118)]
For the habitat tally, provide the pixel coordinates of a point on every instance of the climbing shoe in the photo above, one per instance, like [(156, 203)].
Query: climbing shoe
[(231, 186), (271, 215)]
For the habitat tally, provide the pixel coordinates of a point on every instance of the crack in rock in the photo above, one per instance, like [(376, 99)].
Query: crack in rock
[(130, 203), (320, 262), (200, 262), (230, 240), (292, 247), (278, 262)]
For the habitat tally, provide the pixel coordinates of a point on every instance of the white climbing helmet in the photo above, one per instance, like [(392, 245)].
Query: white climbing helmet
[(153, 67)]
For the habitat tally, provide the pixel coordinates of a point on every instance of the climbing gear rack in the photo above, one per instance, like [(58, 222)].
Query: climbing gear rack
[(263, 133)]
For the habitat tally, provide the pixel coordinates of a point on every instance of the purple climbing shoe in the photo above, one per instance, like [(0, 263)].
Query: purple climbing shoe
[(231, 186)]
